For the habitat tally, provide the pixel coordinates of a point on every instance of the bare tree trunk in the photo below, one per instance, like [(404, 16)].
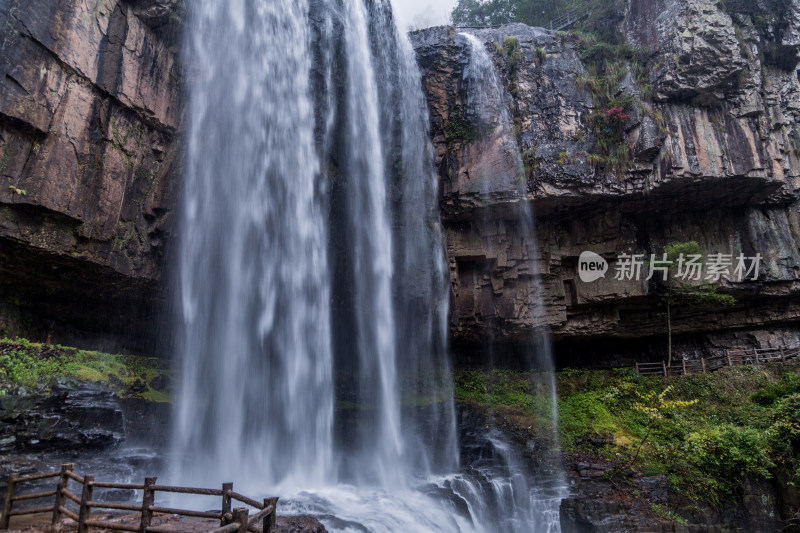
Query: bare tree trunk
[(669, 331)]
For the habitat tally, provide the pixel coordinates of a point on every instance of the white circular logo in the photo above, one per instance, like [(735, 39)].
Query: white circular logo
[(591, 267)]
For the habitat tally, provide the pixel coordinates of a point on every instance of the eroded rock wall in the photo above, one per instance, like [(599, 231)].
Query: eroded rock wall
[(711, 138), (90, 111)]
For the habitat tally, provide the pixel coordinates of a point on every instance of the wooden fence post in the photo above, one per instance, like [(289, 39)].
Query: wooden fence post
[(269, 520), (664, 365), (728, 353), (86, 497), (703, 364), (684, 367), (148, 499), (226, 503), (755, 351), (240, 517), (7, 505), (61, 499)]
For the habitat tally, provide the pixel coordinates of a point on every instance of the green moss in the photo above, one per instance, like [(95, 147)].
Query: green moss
[(157, 396), (458, 128), (540, 55), (27, 364), (84, 373), (6, 156), (664, 512)]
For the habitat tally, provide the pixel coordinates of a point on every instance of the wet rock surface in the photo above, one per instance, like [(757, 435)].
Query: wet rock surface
[(83, 418), (82, 422), (299, 524), (603, 499)]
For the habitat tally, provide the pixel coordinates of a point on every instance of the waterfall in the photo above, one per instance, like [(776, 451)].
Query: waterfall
[(257, 352), (254, 278), (390, 310), (313, 290)]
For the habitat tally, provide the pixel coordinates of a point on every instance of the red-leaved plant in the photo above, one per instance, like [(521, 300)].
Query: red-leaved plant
[(616, 114)]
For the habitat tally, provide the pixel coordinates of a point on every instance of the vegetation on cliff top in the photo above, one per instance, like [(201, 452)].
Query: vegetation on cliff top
[(714, 431), (531, 12), (29, 365)]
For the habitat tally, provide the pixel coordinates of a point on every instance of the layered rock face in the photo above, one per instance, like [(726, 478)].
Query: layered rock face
[(711, 136), (90, 107)]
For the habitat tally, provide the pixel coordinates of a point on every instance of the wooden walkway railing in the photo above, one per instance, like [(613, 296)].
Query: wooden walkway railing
[(230, 519), (756, 356)]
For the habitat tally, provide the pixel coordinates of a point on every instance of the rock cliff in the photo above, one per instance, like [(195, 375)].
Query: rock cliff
[(90, 111), (91, 118), (706, 150)]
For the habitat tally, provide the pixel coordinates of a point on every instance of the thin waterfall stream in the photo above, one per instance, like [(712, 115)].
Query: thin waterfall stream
[(490, 109), (312, 340)]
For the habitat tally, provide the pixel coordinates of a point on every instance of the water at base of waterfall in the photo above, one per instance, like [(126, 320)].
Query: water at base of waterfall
[(493, 492)]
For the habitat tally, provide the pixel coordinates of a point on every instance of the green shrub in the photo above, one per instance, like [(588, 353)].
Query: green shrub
[(785, 426), (732, 424), (728, 454)]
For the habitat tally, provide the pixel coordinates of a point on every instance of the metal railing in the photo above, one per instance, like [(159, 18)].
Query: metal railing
[(570, 17)]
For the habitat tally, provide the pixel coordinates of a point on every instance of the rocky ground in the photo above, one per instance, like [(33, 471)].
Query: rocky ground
[(64, 400), (64, 405), (284, 524)]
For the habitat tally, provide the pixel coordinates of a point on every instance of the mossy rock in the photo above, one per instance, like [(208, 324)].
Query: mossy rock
[(27, 365)]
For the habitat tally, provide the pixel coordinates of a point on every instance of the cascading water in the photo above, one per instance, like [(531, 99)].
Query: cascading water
[(254, 278), (313, 292)]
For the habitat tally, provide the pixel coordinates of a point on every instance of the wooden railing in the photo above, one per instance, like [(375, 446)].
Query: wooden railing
[(756, 356), (230, 519)]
